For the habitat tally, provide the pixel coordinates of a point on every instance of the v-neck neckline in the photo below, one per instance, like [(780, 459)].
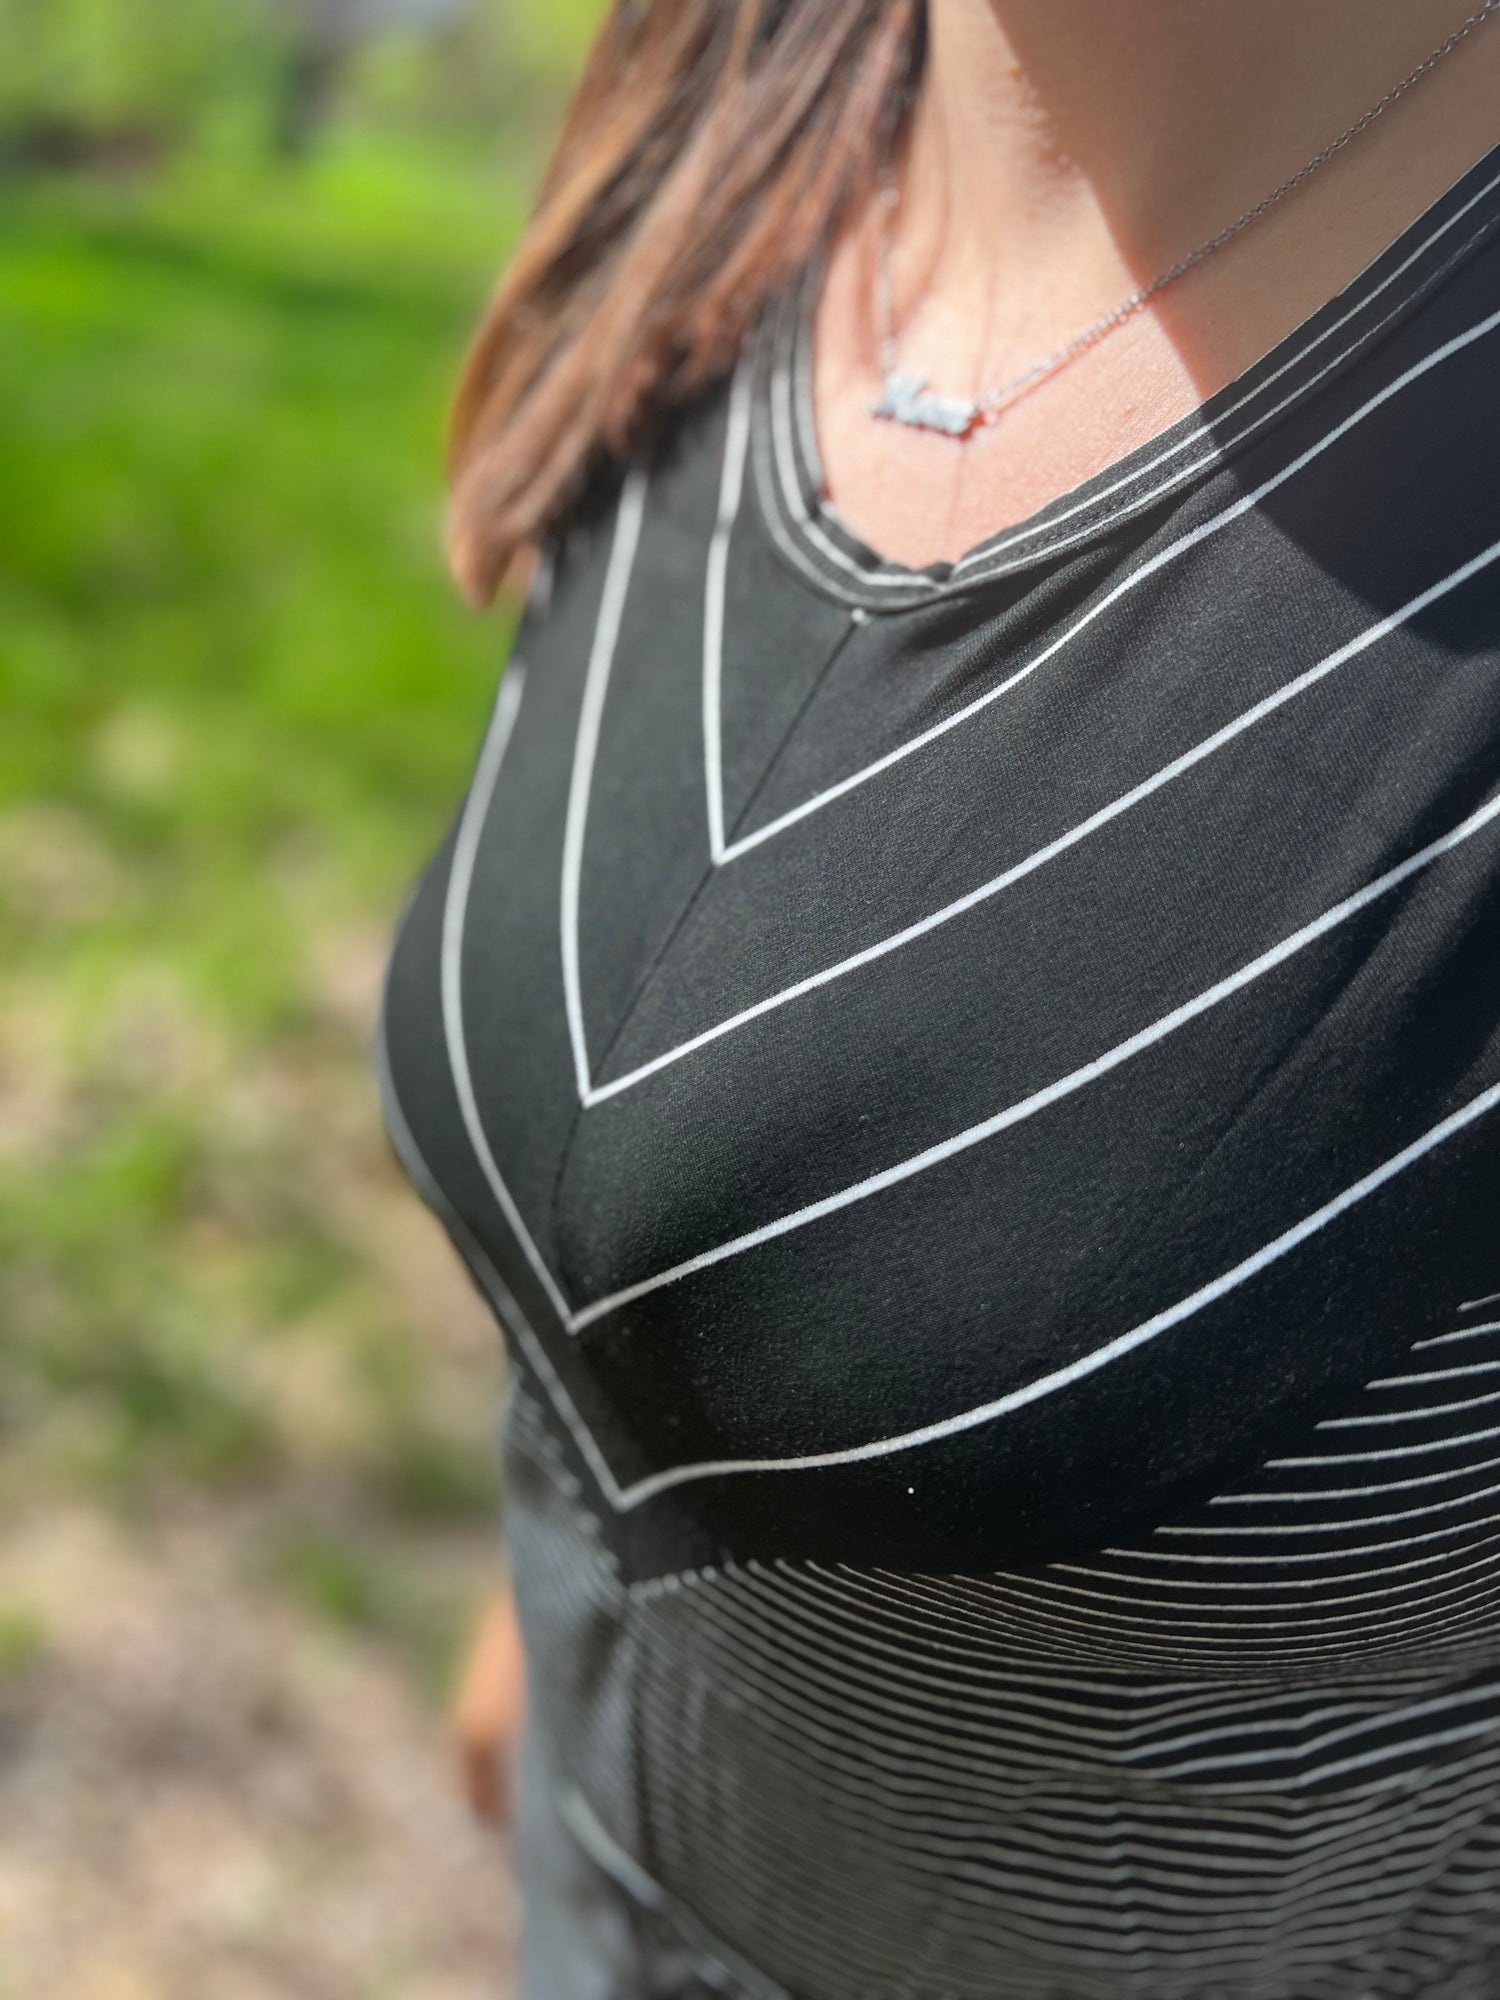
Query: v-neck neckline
[(808, 531)]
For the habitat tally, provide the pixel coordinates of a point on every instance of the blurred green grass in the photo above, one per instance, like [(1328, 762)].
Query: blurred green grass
[(241, 698), (224, 622), (247, 1399)]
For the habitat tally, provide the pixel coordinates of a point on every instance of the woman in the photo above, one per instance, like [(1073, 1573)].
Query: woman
[(958, 1024)]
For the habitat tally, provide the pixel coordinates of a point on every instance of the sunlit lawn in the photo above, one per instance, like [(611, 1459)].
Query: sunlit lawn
[(239, 700)]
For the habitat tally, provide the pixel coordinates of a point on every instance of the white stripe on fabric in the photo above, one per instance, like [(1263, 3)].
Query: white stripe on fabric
[(506, 1307), (628, 516), (1051, 850), (1062, 1087), (731, 487), (460, 877), (1478, 1107), (1460, 1333)]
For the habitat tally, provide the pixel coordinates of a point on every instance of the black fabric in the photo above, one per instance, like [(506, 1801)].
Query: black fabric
[(948, 1073)]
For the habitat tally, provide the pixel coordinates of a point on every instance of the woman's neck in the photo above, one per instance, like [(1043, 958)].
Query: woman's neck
[(1074, 133), (1062, 153)]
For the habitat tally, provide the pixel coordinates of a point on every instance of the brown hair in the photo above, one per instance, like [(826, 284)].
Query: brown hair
[(710, 147)]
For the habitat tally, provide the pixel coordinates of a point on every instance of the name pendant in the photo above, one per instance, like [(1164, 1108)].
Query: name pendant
[(907, 400)]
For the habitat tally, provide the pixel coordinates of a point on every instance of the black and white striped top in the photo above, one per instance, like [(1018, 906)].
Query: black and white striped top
[(975, 1095)]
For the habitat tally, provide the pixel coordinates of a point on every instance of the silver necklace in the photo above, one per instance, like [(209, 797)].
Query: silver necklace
[(908, 400)]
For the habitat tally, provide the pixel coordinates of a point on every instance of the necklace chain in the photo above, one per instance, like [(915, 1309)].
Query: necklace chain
[(906, 399)]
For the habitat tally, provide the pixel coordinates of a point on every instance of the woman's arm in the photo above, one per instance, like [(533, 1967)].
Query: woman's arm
[(489, 1710)]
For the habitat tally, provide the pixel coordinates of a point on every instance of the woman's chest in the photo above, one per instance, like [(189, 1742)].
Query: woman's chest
[(956, 1083)]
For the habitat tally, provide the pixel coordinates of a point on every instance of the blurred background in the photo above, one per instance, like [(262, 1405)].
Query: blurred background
[(247, 1401)]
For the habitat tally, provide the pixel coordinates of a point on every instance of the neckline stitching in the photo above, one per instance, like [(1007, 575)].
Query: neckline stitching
[(806, 529)]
